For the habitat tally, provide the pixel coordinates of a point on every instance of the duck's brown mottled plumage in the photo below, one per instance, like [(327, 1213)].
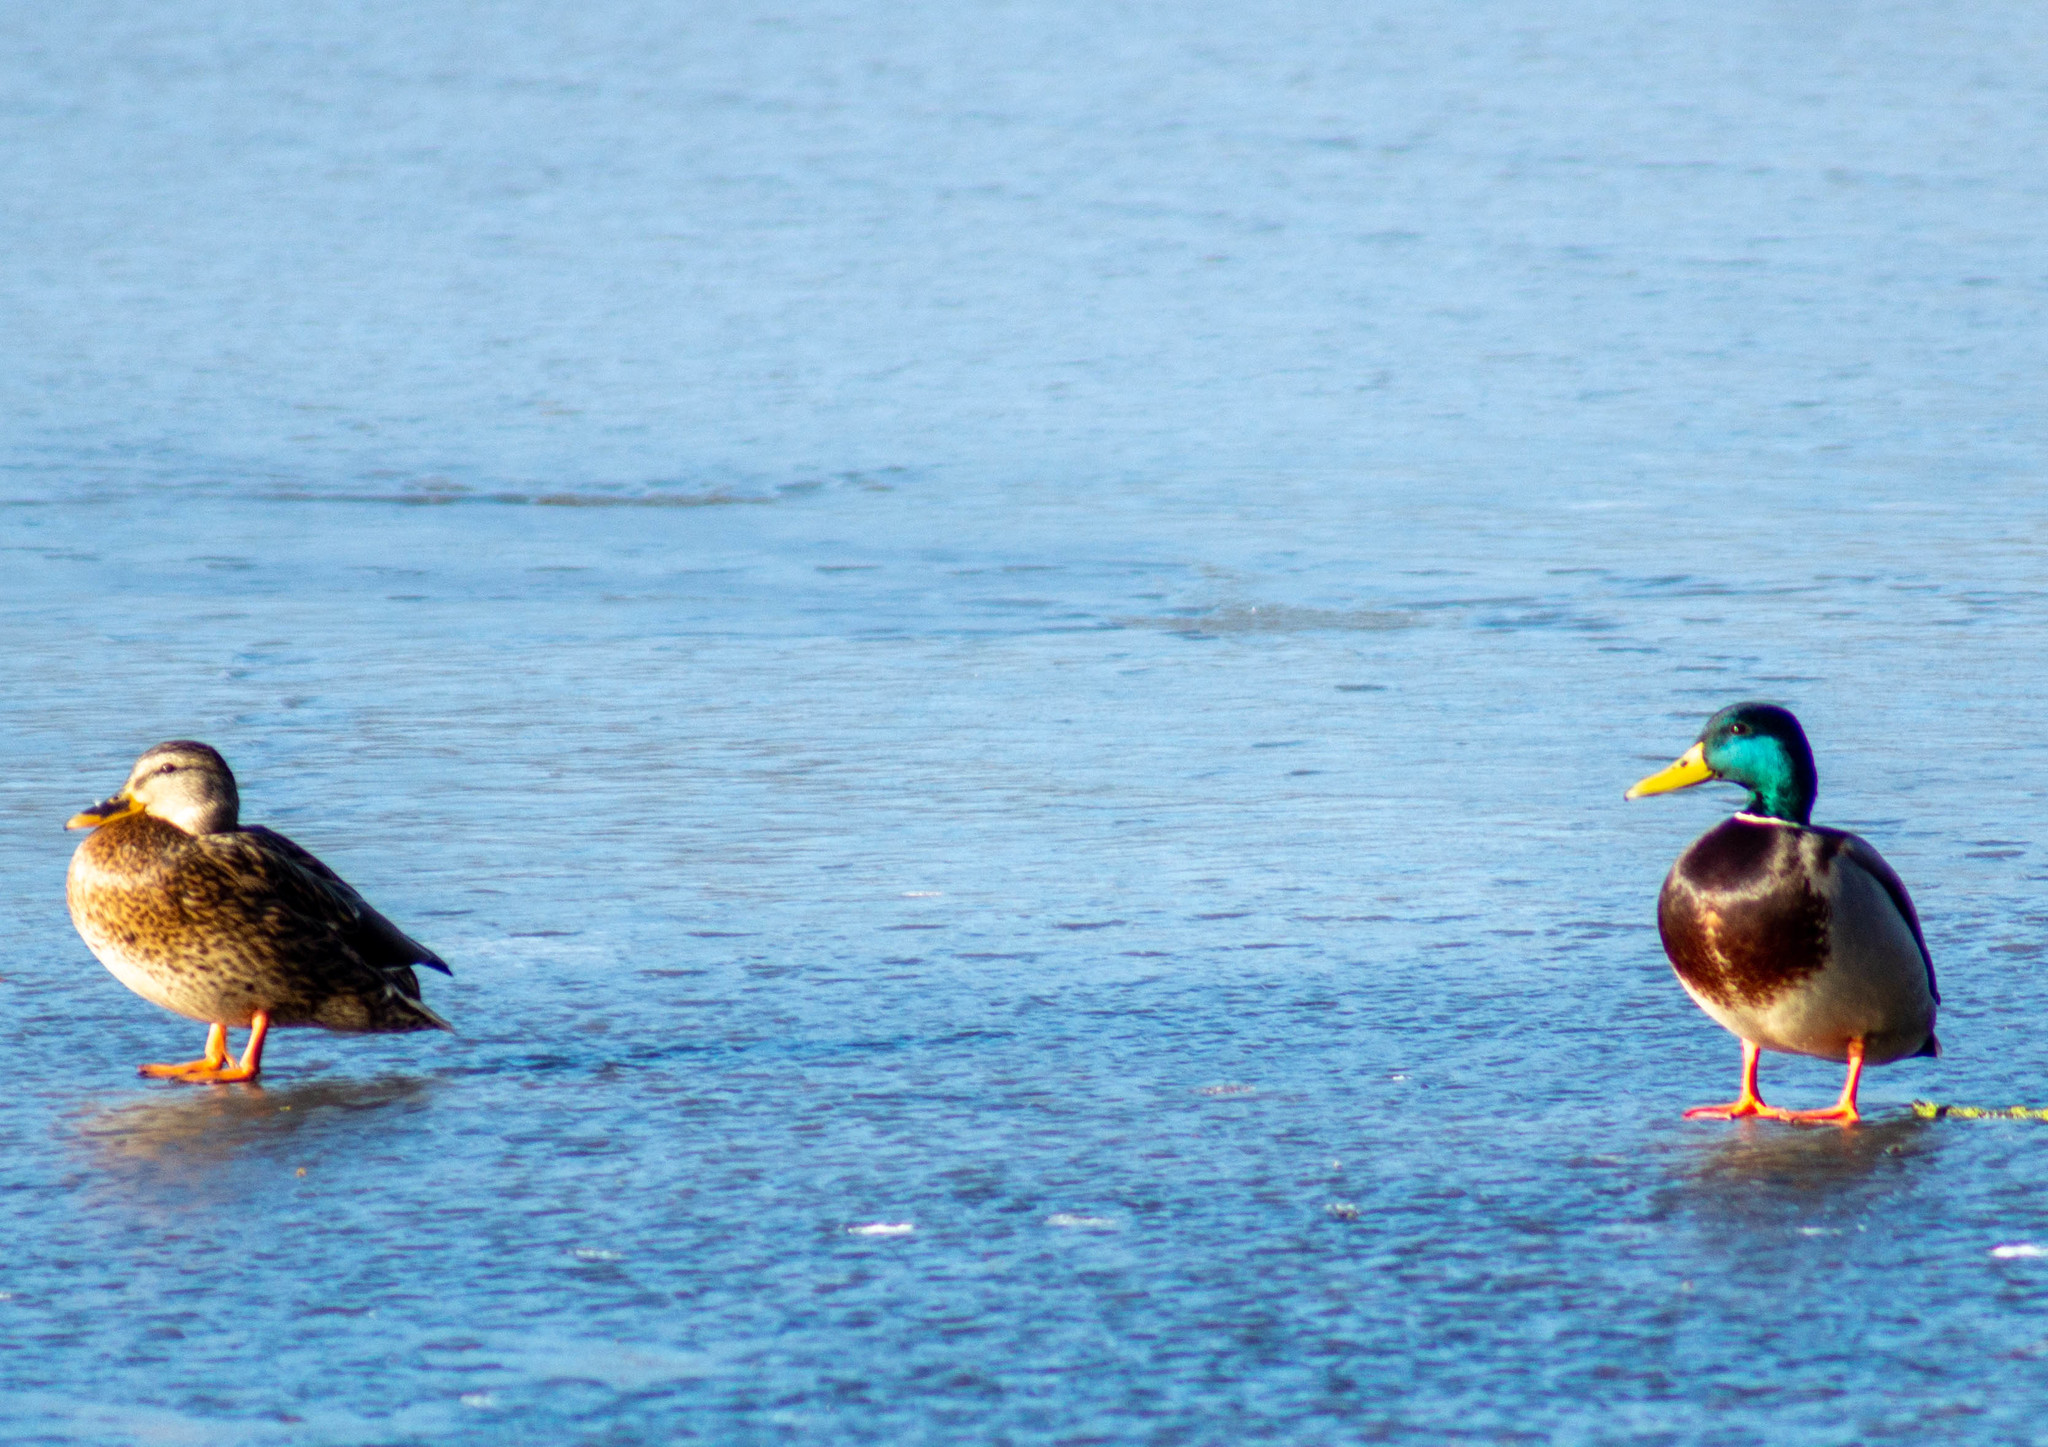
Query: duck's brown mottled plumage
[(225, 923)]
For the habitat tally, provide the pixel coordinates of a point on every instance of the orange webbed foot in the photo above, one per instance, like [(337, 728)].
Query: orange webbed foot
[(201, 1069), (1843, 1112), (1748, 1105), (217, 1067), (1741, 1109), (201, 1072), (190, 1070)]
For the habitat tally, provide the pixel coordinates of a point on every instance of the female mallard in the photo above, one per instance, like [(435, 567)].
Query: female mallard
[(235, 926), (1795, 938)]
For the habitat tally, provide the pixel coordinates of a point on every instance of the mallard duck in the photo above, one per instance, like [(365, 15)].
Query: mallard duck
[(1793, 937), (230, 924)]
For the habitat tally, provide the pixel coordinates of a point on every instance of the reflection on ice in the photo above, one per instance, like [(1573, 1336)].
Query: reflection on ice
[(1765, 1170), (202, 1129)]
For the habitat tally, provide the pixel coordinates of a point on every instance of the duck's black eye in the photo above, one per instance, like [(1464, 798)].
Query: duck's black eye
[(1738, 728), (168, 769)]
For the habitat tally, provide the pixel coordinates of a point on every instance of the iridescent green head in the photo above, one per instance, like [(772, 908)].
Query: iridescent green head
[(1757, 745)]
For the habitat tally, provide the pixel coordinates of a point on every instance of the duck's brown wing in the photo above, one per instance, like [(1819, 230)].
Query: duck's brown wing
[(380, 942), (303, 942)]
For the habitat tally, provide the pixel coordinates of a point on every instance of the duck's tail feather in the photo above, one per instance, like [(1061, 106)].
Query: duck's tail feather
[(402, 993)]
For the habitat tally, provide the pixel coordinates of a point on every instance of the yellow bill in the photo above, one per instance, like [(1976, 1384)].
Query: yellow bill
[(1690, 768), (118, 807)]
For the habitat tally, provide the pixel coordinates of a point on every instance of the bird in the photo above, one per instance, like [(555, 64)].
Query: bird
[(232, 924), (1794, 937)]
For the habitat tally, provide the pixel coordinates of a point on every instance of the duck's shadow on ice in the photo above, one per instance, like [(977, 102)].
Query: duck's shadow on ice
[(1764, 1170), (200, 1132)]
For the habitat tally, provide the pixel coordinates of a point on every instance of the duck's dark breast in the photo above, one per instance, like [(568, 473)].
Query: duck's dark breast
[(1740, 916)]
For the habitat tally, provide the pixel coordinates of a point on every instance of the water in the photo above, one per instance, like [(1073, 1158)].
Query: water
[(1025, 624)]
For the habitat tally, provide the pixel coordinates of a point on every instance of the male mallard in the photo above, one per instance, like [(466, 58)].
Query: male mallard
[(235, 926), (1795, 938)]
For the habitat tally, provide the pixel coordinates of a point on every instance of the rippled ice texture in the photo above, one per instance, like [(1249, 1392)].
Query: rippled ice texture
[(1003, 641)]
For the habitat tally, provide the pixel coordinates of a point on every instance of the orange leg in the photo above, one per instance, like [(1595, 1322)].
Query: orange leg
[(216, 1053), (1843, 1111), (215, 1069), (1747, 1103)]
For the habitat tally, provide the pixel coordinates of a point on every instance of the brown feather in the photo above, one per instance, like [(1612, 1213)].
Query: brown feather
[(218, 926)]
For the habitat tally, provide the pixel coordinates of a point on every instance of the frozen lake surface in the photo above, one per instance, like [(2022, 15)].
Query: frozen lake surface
[(1002, 644)]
